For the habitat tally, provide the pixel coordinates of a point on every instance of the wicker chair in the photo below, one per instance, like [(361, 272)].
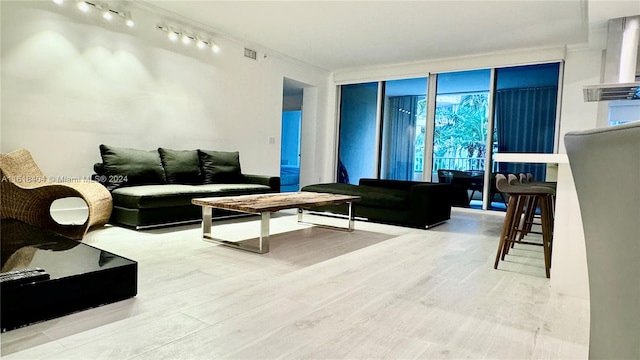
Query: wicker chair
[(26, 194)]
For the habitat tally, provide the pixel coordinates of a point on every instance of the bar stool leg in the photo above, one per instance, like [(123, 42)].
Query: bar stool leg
[(547, 233), (531, 214), (551, 220), (506, 228), (515, 225)]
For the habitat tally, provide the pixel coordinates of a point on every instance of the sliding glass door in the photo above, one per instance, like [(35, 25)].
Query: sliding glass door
[(403, 129), (460, 133), (525, 114), (357, 150)]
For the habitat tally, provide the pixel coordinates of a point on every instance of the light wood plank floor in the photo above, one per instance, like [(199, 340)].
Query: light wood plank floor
[(379, 292)]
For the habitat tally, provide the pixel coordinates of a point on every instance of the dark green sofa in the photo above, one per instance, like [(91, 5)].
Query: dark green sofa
[(155, 188), (407, 203)]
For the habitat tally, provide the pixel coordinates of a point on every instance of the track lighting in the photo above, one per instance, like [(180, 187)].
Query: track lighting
[(186, 39), (107, 12)]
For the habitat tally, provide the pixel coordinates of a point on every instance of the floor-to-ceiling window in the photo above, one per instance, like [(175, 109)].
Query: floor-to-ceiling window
[(525, 114), (460, 132), (357, 150), (403, 129), (384, 127)]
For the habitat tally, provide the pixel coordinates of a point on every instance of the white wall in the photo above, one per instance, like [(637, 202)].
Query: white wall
[(582, 67), (72, 81)]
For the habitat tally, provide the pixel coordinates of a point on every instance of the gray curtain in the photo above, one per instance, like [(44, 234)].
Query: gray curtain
[(402, 124), (525, 122)]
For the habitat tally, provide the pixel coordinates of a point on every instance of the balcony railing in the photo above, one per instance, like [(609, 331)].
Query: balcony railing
[(462, 164)]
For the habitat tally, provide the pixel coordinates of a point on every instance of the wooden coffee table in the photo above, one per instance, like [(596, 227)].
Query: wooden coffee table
[(264, 205)]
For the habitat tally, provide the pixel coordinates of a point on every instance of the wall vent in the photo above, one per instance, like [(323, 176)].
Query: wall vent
[(251, 54)]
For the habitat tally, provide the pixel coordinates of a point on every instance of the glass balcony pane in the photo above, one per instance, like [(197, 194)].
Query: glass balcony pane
[(525, 116), (357, 142), (460, 133), (403, 129)]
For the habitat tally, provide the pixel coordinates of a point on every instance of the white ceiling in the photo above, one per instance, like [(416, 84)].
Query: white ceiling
[(345, 34)]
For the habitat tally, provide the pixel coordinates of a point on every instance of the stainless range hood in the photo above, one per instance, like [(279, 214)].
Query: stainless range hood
[(621, 63)]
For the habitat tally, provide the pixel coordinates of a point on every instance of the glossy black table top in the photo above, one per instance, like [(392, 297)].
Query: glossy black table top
[(26, 246)]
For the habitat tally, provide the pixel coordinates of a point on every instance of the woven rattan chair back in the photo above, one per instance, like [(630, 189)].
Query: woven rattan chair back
[(26, 194)]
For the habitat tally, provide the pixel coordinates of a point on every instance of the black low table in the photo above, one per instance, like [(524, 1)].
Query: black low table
[(80, 276)]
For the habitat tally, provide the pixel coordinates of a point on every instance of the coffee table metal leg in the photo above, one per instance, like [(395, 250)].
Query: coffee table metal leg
[(207, 213), (350, 219), (264, 232), (263, 240), (350, 216)]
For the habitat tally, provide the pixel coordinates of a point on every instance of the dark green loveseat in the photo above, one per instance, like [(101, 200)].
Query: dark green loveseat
[(155, 188), (408, 203)]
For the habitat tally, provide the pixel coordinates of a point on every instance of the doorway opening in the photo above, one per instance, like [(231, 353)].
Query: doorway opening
[(292, 99)]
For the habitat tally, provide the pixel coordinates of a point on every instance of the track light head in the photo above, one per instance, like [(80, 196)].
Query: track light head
[(83, 6), (106, 11)]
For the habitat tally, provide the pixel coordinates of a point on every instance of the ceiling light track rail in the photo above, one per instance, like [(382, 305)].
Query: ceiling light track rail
[(108, 13), (192, 36), (189, 37)]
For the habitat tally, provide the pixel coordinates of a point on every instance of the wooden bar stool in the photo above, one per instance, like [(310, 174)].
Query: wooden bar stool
[(518, 196), (532, 205)]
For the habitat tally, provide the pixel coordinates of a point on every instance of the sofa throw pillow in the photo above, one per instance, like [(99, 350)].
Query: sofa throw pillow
[(128, 167), (220, 167), (181, 166)]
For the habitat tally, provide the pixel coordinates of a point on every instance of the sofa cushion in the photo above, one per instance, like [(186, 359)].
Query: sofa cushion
[(155, 196), (371, 196), (156, 216), (220, 166), (234, 189), (181, 166), (128, 167), (98, 168), (404, 185)]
